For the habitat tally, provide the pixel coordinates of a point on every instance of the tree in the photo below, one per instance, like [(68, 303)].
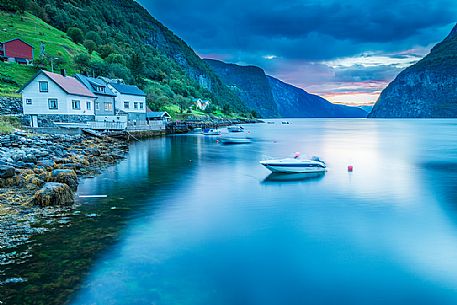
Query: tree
[(90, 45), (136, 66), (75, 34), (182, 102), (115, 59), (82, 61), (94, 36), (105, 50), (226, 109)]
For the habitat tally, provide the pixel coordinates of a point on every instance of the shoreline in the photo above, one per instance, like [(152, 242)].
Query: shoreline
[(30, 163)]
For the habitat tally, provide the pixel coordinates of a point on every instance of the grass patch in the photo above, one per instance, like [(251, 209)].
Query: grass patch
[(34, 31), (8, 124), (13, 76)]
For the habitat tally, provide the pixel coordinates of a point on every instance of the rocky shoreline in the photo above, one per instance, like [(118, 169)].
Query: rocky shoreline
[(39, 175)]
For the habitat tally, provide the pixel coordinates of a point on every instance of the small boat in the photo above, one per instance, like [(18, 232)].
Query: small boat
[(285, 123), (196, 130), (232, 141), (235, 129), (295, 165), (211, 132)]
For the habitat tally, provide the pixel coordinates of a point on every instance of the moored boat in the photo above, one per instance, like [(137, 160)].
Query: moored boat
[(233, 140), (211, 132), (295, 165), (235, 129)]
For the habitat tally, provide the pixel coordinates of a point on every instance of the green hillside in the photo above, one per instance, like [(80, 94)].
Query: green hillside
[(125, 42), (34, 31)]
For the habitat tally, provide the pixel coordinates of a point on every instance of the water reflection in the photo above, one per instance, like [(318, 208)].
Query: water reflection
[(197, 222), (293, 177)]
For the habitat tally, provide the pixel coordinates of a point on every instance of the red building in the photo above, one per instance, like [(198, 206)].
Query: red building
[(16, 50)]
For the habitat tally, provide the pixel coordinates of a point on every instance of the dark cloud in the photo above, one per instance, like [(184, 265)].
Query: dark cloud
[(300, 35), (303, 29)]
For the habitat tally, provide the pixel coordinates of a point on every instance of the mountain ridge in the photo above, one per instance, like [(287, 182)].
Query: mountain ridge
[(275, 97), (426, 89)]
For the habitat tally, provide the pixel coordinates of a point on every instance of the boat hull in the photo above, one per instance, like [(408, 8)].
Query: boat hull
[(294, 166), (295, 169), (234, 141)]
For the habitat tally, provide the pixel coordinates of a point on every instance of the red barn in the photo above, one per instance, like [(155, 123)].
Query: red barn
[(16, 50)]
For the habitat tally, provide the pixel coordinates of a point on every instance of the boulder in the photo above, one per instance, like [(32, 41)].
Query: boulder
[(66, 176), (46, 163), (54, 194), (7, 171)]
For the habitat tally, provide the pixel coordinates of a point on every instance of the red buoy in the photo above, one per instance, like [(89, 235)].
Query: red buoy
[(350, 168)]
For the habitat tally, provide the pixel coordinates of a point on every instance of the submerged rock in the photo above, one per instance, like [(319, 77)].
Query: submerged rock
[(7, 171), (54, 193), (66, 176)]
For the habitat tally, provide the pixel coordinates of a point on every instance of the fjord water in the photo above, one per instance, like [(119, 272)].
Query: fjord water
[(190, 221)]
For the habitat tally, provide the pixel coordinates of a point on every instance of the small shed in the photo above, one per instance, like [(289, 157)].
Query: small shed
[(157, 115), (16, 50)]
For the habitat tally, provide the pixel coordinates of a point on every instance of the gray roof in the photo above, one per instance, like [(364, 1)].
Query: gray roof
[(91, 83), (128, 89)]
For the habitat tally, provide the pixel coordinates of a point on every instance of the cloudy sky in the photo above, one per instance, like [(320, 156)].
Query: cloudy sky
[(346, 51)]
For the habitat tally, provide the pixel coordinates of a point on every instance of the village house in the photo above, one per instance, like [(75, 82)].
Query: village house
[(201, 104), (131, 100), (105, 108), (49, 98), (157, 116), (16, 50)]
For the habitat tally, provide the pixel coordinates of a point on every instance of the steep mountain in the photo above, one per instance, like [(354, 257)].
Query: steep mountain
[(293, 102), (271, 97), (427, 89), (125, 41), (250, 83)]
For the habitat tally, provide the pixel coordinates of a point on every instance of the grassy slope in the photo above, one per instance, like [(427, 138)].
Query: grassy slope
[(34, 31)]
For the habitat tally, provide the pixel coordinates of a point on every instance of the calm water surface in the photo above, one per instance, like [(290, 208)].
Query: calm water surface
[(189, 221)]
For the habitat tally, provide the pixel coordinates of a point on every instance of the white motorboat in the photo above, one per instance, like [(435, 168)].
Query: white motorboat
[(211, 132), (233, 140), (295, 165), (196, 130), (235, 129)]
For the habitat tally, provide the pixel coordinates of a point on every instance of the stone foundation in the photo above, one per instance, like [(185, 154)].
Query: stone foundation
[(47, 120), (10, 106)]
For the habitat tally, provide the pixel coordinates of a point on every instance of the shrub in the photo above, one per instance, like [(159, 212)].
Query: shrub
[(75, 34)]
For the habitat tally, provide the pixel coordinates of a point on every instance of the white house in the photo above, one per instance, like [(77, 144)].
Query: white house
[(201, 104), (131, 100), (51, 97)]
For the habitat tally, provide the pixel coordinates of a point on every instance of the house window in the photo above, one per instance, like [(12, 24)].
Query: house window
[(88, 105), (76, 105), (108, 107), (53, 104), (43, 86), (28, 101), (97, 106), (141, 106), (126, 105), (135, 105)]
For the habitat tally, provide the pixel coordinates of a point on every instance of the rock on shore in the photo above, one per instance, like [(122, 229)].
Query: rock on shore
[(54, 193), (38, 177)]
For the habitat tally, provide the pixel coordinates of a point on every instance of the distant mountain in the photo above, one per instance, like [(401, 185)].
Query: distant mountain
[(293, 102), (427, 89), (250, 83), (271, 97)]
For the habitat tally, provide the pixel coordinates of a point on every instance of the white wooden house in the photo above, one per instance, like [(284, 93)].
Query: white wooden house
[(131, 100), (51, 97)]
